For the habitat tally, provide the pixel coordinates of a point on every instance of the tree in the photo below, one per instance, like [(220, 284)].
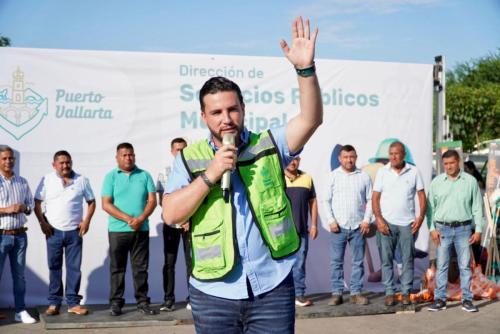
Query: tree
[(4, 41), (473, 100)]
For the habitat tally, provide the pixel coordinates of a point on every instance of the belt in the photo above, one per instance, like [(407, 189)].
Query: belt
[(455, 223), (14, 231)]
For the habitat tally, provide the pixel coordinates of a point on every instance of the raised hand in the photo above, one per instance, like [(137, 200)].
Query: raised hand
[(301, 51)]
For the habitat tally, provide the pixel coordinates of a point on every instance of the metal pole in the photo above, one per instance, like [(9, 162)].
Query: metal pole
[(442, 123)]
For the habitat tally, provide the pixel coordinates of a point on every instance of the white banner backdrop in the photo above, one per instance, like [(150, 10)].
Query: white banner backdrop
[(87, 102)]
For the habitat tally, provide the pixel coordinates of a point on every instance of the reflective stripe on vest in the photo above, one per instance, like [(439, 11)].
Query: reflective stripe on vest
[(214, 245)]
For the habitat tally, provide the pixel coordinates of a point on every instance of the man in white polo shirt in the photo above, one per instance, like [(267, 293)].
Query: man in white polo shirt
[(63, 192), (393, 203)]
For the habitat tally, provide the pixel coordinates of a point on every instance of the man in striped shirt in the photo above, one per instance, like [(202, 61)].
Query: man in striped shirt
[(16, 202), (347, 206)]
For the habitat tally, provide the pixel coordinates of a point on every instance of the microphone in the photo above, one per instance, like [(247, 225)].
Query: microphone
[(225, 184)]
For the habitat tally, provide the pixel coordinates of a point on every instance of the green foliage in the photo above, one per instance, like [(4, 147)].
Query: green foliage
[(4, 41), (473, 100)]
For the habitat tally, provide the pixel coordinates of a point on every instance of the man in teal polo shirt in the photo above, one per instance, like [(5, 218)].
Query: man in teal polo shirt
[(128, 196), (454, 200)]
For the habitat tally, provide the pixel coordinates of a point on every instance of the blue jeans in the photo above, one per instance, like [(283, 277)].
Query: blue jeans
[(338, 242), (402, 236), (14, 246), (459, 237), (299, 268), (271, 312), (69, 243), (397, 253)]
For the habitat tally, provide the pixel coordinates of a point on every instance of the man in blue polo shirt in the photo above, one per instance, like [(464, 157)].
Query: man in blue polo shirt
[(128, 196), (256, 295)]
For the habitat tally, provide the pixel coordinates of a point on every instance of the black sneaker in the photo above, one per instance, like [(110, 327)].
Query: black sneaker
[(145, 309), (437, 306), (115, 310), (468, 306), (167, 306)]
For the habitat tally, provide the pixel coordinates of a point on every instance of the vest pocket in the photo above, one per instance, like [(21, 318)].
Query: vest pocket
[(277, 226), (208, 249)]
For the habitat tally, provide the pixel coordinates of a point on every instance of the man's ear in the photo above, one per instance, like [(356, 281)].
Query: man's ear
[(203, 116)]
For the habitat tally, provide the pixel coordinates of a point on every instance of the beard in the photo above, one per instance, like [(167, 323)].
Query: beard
[(216, 136)]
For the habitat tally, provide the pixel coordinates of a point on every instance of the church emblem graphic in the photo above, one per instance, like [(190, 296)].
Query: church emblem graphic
[(21, 108)]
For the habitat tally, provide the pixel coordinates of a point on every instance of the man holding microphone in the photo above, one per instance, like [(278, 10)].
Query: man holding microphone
[(242, 243)]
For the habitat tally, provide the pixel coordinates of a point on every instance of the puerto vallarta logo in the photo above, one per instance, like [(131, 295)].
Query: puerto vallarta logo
[(21, 108)]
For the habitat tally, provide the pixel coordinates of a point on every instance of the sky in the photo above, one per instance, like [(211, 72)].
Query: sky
[(409, 31)]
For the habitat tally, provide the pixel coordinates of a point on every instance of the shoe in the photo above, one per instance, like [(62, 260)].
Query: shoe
[(437, 306), (406, 300), (78, 309), (303, 301), (52, 310), (468, 306), (359, 300), (115, 310), (188, 306), (24, 317), (335, 300), (167, 306), (145, 309), (389, 300)]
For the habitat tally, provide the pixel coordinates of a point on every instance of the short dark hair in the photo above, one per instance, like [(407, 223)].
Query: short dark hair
[(62, 153), (347, 148), (5, 148), (398, 143), (219, 84), (178, 140), (128, 146), (451, 154)]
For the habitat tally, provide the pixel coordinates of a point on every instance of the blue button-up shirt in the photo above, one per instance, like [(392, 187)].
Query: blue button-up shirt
[(348, 198), (255, 263)]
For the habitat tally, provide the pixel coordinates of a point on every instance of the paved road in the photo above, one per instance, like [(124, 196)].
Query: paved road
[(451, 321)]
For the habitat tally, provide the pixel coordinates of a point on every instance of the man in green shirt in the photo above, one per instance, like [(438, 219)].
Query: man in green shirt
[(454, 200), (128, 196)]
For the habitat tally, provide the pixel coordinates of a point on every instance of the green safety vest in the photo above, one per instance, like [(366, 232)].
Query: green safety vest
[(213, 232)]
